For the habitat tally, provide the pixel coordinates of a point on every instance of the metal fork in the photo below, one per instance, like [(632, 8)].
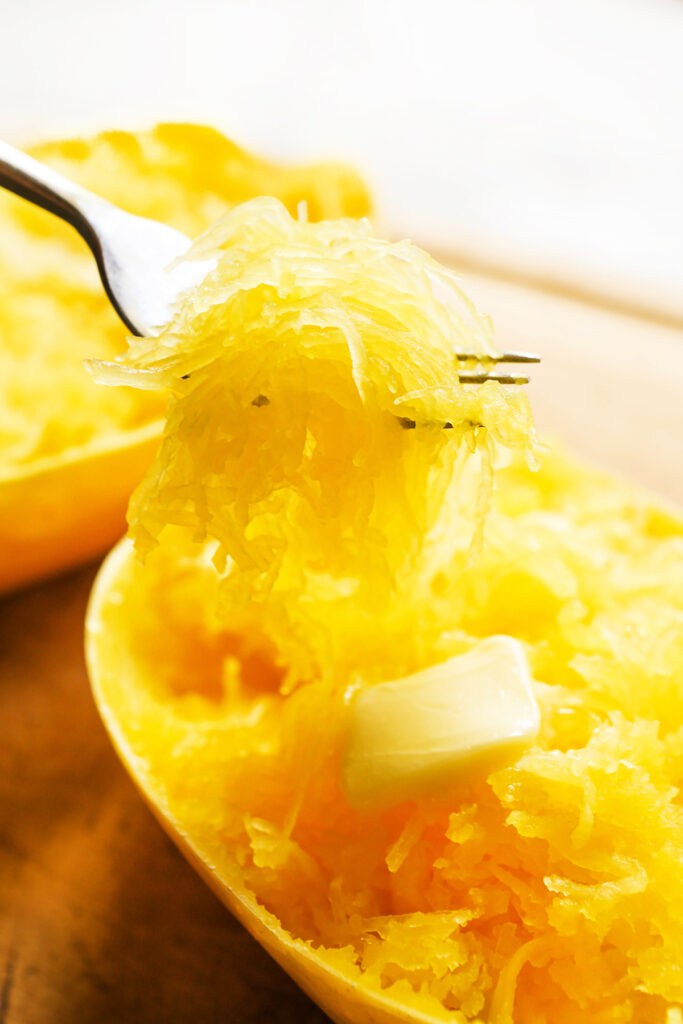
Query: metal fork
[(136, 256)]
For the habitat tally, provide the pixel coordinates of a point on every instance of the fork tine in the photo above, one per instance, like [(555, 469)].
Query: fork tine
[(506, 357), (482, 378)]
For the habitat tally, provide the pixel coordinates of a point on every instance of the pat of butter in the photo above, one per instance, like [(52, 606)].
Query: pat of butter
[(410, 737)]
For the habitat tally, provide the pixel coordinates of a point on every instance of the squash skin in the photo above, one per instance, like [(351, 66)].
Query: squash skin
[(327, 984), (65, 510)]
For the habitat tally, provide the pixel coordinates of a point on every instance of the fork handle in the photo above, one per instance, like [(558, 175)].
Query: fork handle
[(26, 177)]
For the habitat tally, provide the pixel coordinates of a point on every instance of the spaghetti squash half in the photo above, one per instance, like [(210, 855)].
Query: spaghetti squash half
[(310, 536), (70, 453)]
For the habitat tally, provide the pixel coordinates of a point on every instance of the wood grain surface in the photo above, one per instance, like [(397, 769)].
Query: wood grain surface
[(101, 920)]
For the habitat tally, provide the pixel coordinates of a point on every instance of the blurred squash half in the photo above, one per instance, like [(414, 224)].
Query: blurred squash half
[(71, 453)]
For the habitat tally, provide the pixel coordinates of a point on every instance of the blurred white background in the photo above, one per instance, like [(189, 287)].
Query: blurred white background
[(539, 138)]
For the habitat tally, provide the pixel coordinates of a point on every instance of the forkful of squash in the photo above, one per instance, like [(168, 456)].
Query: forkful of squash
[(142, 266)]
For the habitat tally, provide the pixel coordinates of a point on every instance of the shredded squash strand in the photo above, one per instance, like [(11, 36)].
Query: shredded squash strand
[(291, 372)]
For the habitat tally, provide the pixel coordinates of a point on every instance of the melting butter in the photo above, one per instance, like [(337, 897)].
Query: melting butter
[(411, 737)]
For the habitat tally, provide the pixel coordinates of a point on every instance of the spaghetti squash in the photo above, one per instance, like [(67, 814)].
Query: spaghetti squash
[(309, 531)]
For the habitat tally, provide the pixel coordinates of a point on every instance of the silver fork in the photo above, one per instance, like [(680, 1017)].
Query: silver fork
[(136, 256)]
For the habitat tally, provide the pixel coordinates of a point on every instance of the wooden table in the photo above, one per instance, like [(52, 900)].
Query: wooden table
[(101, 920)]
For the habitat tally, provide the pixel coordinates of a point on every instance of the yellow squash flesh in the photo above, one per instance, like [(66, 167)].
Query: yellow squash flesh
[(611, 849)]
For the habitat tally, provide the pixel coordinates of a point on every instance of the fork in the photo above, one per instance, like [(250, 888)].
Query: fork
[(139, 259), (136, 256)]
